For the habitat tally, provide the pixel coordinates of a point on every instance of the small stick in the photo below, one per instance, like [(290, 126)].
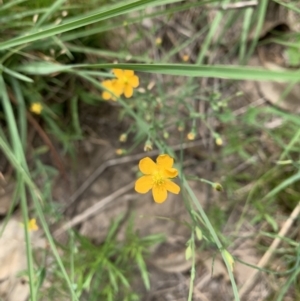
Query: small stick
[(265, 259), (92, 210)]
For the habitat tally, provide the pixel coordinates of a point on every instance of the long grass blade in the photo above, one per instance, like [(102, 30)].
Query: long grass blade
[(114, 11)]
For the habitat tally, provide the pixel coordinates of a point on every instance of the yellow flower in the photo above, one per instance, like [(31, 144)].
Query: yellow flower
[(115, 89), (156, 177), (127, 79), (36, 108), (32, 226)]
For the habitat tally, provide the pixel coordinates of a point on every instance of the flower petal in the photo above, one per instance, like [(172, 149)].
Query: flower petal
[(147, 166), (159, 193), (143, 184), (128, 73), (172, 187), (119, 73), (107, 84), (106, 95), (165, 161), (118, 87), (170, 172), (128, 91), (134, 81)]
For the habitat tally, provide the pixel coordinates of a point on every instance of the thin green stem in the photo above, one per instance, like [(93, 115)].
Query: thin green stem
[(192, 279), (213, 235)]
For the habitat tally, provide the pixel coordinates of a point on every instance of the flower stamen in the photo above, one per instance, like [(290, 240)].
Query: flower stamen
[(158, 178)]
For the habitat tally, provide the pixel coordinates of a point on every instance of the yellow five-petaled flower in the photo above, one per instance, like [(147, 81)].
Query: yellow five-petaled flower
[(124, 82), (128, 79), (114, 89), (157, 177)]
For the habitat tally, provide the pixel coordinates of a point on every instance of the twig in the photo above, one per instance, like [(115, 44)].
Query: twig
[(92, 210), (265, 259)]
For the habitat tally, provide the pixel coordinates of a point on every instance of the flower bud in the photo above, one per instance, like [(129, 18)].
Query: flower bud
[(219, 141), (120, 151), (148, 146), (158, 41), (191, 135), (123, 137), (218, 186)]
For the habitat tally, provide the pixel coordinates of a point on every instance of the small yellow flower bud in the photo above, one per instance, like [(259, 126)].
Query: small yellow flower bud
[(158, 41), (191, 135), (185, 58), (219, 141), (166, 135), (36, 108), (123, 138), (120, 151), (148, 146)]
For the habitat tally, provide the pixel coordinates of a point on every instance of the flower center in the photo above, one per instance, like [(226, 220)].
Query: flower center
[(158, 178), (125, 79)]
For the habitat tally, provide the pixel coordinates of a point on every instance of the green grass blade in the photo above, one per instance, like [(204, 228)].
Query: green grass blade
[(244, 35), (22, 121), (43, 68), (114, 11), (11, 4), (16, 75), (283, 185), (262, 9), (13, 130), (215, 71), (19, 154), (55, 6), (212, 31)]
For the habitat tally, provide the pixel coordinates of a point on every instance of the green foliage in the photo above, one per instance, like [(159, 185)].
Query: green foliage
[(104, 271)]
